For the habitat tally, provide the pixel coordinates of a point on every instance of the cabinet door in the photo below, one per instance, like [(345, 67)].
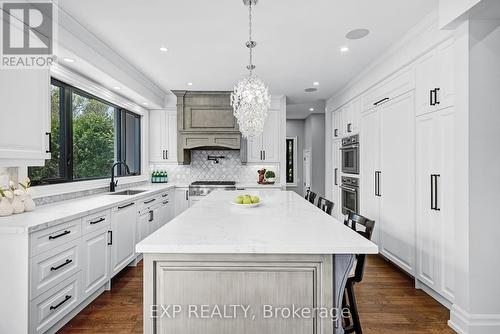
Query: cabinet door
[(426, 74), (355, 115), (346, 125), (25, 114), (96, 255), (336, 179), (271, 137), (337, 124), (143, 226), (171, 137), (446, 74), (123, 226), (369, 151), (445, 202), (157, 219), (181, 200), (254, 147), (427, 233), (157, 135), (397, 181)]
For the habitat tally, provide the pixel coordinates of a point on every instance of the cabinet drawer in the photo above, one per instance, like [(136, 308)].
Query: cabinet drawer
[(54, 236), (96, 221), (52, 267), (52, 306), (396, 85)]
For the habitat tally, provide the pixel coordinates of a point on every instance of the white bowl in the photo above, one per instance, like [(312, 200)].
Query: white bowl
[(253, 205)]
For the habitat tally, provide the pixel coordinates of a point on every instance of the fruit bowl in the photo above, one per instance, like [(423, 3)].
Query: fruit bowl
[(246, 201)]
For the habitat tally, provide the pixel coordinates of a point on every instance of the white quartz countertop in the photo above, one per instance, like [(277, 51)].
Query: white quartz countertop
[(285, 223), (49, 215)]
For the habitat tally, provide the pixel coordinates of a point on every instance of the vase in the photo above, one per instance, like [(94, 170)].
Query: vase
[(6, 208), (29, 204), (18, 204)]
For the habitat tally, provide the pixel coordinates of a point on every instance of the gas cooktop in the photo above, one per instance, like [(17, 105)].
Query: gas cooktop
[(213, 183)]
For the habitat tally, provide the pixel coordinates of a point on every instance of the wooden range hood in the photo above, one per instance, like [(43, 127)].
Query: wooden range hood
[(205, 121)]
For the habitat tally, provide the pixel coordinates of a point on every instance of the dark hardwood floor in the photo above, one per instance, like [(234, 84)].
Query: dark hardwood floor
[(388, 304)]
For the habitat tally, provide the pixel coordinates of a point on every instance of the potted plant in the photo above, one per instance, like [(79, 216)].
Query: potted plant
[(270, 176), (6, 208)]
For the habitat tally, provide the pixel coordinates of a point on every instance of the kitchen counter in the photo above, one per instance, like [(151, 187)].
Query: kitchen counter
[(284, 223), (284, 252), (53, 214)]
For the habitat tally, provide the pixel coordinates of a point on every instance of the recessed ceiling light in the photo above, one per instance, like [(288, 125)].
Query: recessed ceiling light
[(315, 83), (311, 109), (116, 88), (357, 33), (163, 49), (144, 103), (69, 60), (310, 90), (344, 49), (189, 83)]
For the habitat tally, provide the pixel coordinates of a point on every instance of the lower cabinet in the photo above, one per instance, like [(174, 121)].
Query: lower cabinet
[(96, 249), (122, 236), (181, 200)]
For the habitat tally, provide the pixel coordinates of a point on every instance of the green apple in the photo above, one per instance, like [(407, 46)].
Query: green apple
[(255, 199), (247, 200), (239, 199)]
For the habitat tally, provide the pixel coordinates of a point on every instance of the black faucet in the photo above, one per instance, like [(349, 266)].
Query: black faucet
[(113, 183)]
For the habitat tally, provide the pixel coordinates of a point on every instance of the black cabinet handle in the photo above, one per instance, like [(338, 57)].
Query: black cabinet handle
[(336, 132), (164, 195), (431, 96), (97, 221), (68, 261), (50, 142), (187, 195), (125, 206), (436, 100), (381, 101), (52, 237), (432, 191), (68, 297), (151, 217), (349, 127), (377, 183), (166, 202), (166, 154), (110, 234), (336, 176), (264, 155), (150, 201), (163, 154)]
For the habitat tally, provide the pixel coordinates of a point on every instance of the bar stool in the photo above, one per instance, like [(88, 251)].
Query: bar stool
[(325, 205), (364, 227)]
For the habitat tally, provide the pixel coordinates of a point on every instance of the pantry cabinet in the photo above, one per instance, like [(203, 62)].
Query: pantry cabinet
[(387, 178), (435, 79), (25, 97), (163, 136), (435, 201), (266, 147)]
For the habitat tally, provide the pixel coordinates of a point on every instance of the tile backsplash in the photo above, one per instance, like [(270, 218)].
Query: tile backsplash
[(201, 169)]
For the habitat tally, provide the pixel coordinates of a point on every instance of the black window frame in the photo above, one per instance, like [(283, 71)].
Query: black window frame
[(66, 136)]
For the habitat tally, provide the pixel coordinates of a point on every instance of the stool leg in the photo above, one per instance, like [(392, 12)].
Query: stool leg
[(354, 309), (347, 320)]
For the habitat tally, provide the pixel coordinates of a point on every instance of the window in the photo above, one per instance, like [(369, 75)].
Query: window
[(88, 136), (291, 161)]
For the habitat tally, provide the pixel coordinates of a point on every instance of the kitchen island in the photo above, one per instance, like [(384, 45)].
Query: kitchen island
[(277, 268)]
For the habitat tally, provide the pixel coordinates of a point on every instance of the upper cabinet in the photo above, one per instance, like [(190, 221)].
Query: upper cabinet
[(163, 135), (435, 79), (266, 147), (337, 123), (26, 138)]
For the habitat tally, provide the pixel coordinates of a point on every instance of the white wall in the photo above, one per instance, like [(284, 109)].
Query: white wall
[(314, 138), (295, 128), (450, 10)]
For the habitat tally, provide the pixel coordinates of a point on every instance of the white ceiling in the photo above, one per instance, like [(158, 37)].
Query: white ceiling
[(298, 41)]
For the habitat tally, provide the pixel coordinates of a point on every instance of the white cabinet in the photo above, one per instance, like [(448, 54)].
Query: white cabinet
[(266, 147), (95, 255), (336, 156), (388, 170), (25, 97), (435, 201), (347, 119), (181, 200), (337, 123), (163, 136), (435, 80), (123, 230), (167, 209)]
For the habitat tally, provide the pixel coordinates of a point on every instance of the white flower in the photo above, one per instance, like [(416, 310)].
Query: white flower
[(27, 180), (8, 194), (12, 185), (18, 192)]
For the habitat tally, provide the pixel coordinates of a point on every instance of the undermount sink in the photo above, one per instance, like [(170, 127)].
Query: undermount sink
[(128, 192)]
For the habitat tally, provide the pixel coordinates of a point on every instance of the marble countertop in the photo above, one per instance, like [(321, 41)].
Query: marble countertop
[(285, 223), (53, 214)]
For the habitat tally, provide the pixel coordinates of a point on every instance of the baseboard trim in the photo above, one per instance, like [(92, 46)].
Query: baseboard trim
[(436, 296), (463, 322)]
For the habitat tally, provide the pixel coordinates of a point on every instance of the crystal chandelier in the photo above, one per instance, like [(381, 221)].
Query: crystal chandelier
[(250, 99)]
